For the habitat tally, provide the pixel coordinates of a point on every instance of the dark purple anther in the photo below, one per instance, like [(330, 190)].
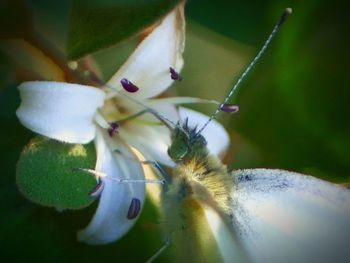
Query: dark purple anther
[(174, 75), (134, 208), (129, 86), (230, 108), (113, 128), (97, 190)]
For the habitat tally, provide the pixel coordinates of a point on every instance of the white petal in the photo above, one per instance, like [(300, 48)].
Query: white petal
[(148, 66), (215, 134), (165, 108), (59, 110), (151, 141), (282, 216), (110, 220)]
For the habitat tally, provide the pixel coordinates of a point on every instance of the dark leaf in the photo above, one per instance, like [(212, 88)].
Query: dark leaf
[(98, 25), (15, 19)]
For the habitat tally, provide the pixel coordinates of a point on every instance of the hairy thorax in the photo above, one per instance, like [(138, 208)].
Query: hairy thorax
[(207, 179)]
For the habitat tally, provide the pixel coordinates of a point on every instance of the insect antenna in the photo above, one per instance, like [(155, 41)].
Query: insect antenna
[(224, 104)]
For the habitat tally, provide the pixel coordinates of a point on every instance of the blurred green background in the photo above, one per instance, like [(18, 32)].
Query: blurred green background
[(294, 109)]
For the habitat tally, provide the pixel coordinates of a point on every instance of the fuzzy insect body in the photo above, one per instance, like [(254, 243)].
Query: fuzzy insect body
[(208, 179), (199, 180), (198, 172)]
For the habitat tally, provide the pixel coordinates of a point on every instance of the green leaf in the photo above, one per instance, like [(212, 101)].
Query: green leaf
[(45, 173), (100, 24)]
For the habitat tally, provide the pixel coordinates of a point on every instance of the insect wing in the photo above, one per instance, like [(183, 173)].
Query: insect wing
[(200, 235), (282, 216)]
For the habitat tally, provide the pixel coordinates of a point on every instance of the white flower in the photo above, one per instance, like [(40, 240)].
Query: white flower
[(76, 113)]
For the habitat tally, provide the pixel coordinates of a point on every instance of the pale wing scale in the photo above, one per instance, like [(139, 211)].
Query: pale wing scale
[(282, 216)]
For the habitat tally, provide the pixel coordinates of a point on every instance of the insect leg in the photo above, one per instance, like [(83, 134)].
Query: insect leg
[(100, 175), (160, 171), (157, 254), (148, 181), (163, 174)]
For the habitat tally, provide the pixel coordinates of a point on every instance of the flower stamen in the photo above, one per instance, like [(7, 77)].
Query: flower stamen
[(113, 128), (134, 208), (229, 108), (129, 86), (174, 74), (98, 189)]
